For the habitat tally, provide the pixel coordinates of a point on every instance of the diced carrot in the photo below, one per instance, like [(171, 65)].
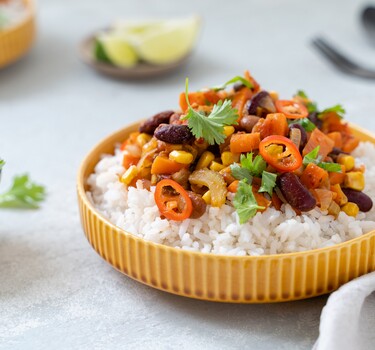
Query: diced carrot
[(261, 200), (274, 124), (317, 138), (249, 77), (233, 186), (276, 201), (164, 165), (130, 140), (313, 176), (200, 98), (335, 136), (349, 142), (332, 122), (240, 98), (337, 178), (129, 160), (243, 142)]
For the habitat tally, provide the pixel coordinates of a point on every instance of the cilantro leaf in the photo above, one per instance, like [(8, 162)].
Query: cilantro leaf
[(268, 182), (245, 202), (256, 166), (305, 123), (313, 157), (302, 94), (210, 127), (339, 109), (240, 173), (232, 81), (23, 194)]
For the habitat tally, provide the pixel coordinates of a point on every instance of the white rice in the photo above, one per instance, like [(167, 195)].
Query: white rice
[(218, 230)]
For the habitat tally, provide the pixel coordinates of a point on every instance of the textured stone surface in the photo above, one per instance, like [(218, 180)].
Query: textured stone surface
[(55, 291)]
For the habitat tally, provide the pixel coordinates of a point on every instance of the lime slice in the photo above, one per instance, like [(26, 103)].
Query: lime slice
[(167, 41), (118, 50)]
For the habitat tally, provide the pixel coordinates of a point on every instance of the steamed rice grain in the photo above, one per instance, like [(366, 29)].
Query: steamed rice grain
[(218, 231)]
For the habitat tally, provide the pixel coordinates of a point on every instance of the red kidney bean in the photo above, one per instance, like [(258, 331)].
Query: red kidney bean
[(173, 133), (260, 104), (295, 193), (363, 201), (153, 122), (199, 205)]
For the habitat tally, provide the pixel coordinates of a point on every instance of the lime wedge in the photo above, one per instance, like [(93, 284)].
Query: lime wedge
[(118, 50), (167, 41)]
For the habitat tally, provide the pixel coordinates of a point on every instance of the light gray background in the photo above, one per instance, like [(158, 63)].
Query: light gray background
[(55, 291)]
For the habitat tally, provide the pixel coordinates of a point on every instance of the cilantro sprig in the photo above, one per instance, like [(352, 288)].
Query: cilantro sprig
[(249, 167), (245, 202), (23, 194), (210, 127), (315, 158), (234, 80), (338, 109), (268, 182)]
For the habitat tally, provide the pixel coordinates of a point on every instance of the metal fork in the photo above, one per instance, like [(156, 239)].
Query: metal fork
[(340, 61)]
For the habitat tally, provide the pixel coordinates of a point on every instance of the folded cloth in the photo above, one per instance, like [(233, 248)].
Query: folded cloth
[(340, 317)]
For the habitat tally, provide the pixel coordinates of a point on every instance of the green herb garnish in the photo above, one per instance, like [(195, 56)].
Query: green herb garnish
[(23, 194), (210, 127), (268, 182), (311, 106), (256, 166), (233, 81), (240, 173), (338, 109), (313, 157), (245, 202), (305, 123)]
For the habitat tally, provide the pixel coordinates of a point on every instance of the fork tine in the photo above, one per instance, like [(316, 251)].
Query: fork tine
[(332, 57), (328, 47)]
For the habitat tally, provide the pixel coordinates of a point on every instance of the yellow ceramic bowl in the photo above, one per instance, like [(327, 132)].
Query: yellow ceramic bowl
[(261, 279), (15, 41)]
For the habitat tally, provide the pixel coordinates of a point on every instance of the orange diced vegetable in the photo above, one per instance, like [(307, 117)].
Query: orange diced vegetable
[(274, 124), (129, 160), (276, 201), (130, 140), (317, 138), (233, 186), (240, 98), (335, 136), (349, 142), (313, 176), (261, 200), (164, 165), (337, 178), (240, 143)]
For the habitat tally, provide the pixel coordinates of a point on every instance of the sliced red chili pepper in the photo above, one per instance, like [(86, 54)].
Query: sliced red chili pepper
[(172, 200), (281, 153), (291, 109)]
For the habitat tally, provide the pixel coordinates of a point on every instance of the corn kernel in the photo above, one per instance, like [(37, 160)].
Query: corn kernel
[(228, 158), (181, 157), (205, 160), (143, 138), (129, 175), (350, 209), (207, 197), (274, 95), (215, 166), (347, 161), (151, 145), (355, 180), (228, 130)]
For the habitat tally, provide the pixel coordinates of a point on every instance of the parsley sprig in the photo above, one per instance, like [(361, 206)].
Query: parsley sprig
[(210, 127), (315, 158), (268, 182), (245, 202)]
